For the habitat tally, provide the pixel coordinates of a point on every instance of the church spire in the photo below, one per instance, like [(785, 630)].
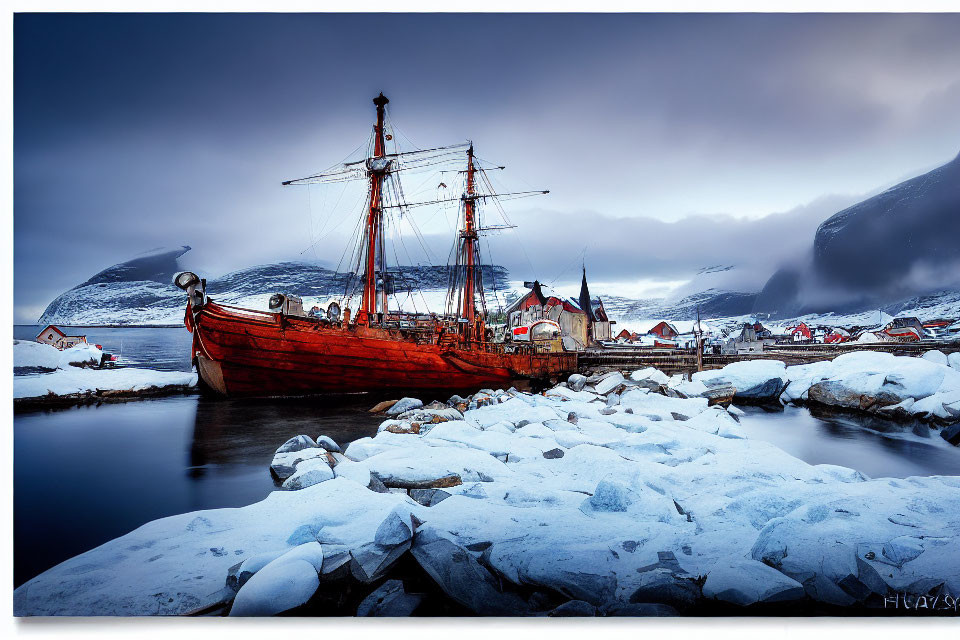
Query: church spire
[(585, 303)]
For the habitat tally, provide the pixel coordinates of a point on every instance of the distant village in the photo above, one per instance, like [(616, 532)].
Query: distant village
[(577, 324)]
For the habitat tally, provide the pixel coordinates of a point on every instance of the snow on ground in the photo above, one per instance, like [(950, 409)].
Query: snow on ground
[(36, 355), (80, 381), (627, 503), (30, 354)]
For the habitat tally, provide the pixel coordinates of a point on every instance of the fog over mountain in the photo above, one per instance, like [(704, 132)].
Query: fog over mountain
[(900, 243)]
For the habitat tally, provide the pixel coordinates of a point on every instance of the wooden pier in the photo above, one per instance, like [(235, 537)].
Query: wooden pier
[(672, 361)]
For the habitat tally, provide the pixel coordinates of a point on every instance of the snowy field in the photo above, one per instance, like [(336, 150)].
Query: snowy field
[(608, 495)]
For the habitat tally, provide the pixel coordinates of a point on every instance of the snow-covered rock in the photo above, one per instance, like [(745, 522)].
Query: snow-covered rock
[(36, 355), (81, 355), (744, 581), (880, 382), (404, 404), (297, 443), (953, 360), (754, 380), (935, 356), (283, 584), (576, 381), (326, 442), (284, 464), (308, 473)]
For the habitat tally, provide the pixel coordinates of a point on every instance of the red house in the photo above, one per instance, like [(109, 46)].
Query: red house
[(664, 330)]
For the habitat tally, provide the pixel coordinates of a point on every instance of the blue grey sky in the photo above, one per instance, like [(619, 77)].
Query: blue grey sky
[(735, 134)]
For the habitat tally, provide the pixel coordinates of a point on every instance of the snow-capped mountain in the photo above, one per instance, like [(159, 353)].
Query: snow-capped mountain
[(141, 291)]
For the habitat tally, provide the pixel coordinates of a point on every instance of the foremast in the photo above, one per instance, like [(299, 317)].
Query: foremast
[(377, 167)]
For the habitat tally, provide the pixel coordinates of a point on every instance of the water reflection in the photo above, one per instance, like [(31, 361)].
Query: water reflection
[(244, 431), (875, 447), (109, 469)]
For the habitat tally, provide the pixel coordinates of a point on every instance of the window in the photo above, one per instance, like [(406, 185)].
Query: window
[(544, 331)]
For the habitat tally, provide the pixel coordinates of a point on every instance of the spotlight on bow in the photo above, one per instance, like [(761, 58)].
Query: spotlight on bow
[(186, 280)]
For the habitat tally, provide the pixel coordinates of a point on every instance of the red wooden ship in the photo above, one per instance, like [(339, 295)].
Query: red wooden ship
[(284, 351)]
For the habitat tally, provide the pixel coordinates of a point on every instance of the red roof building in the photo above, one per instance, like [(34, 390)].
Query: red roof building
[(664, 330)]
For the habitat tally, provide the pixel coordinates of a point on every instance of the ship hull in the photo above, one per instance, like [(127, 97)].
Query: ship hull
[(251, 353)]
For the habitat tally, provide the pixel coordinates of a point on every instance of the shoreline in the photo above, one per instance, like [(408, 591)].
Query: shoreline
[(98, 397)]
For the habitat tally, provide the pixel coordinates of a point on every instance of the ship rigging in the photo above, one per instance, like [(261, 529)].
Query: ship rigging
[(286, 351)]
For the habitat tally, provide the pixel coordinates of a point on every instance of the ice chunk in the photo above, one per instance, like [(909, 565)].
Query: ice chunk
[(650, 373), (609, 383)]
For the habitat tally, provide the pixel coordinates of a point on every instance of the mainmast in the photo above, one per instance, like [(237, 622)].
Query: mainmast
[(376, 170)]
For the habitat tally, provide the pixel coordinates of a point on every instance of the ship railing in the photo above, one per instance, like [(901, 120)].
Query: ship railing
[(251, 313), (502, 348)]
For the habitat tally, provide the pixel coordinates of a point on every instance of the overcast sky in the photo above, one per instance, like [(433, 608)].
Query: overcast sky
[(669, 142)]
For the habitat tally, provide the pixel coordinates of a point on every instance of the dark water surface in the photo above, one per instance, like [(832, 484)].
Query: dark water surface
[(874, 447), (85, 475)]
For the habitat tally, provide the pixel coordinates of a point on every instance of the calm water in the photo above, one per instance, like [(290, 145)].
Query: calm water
[(85, 475), (874, 447), (167, 349)]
